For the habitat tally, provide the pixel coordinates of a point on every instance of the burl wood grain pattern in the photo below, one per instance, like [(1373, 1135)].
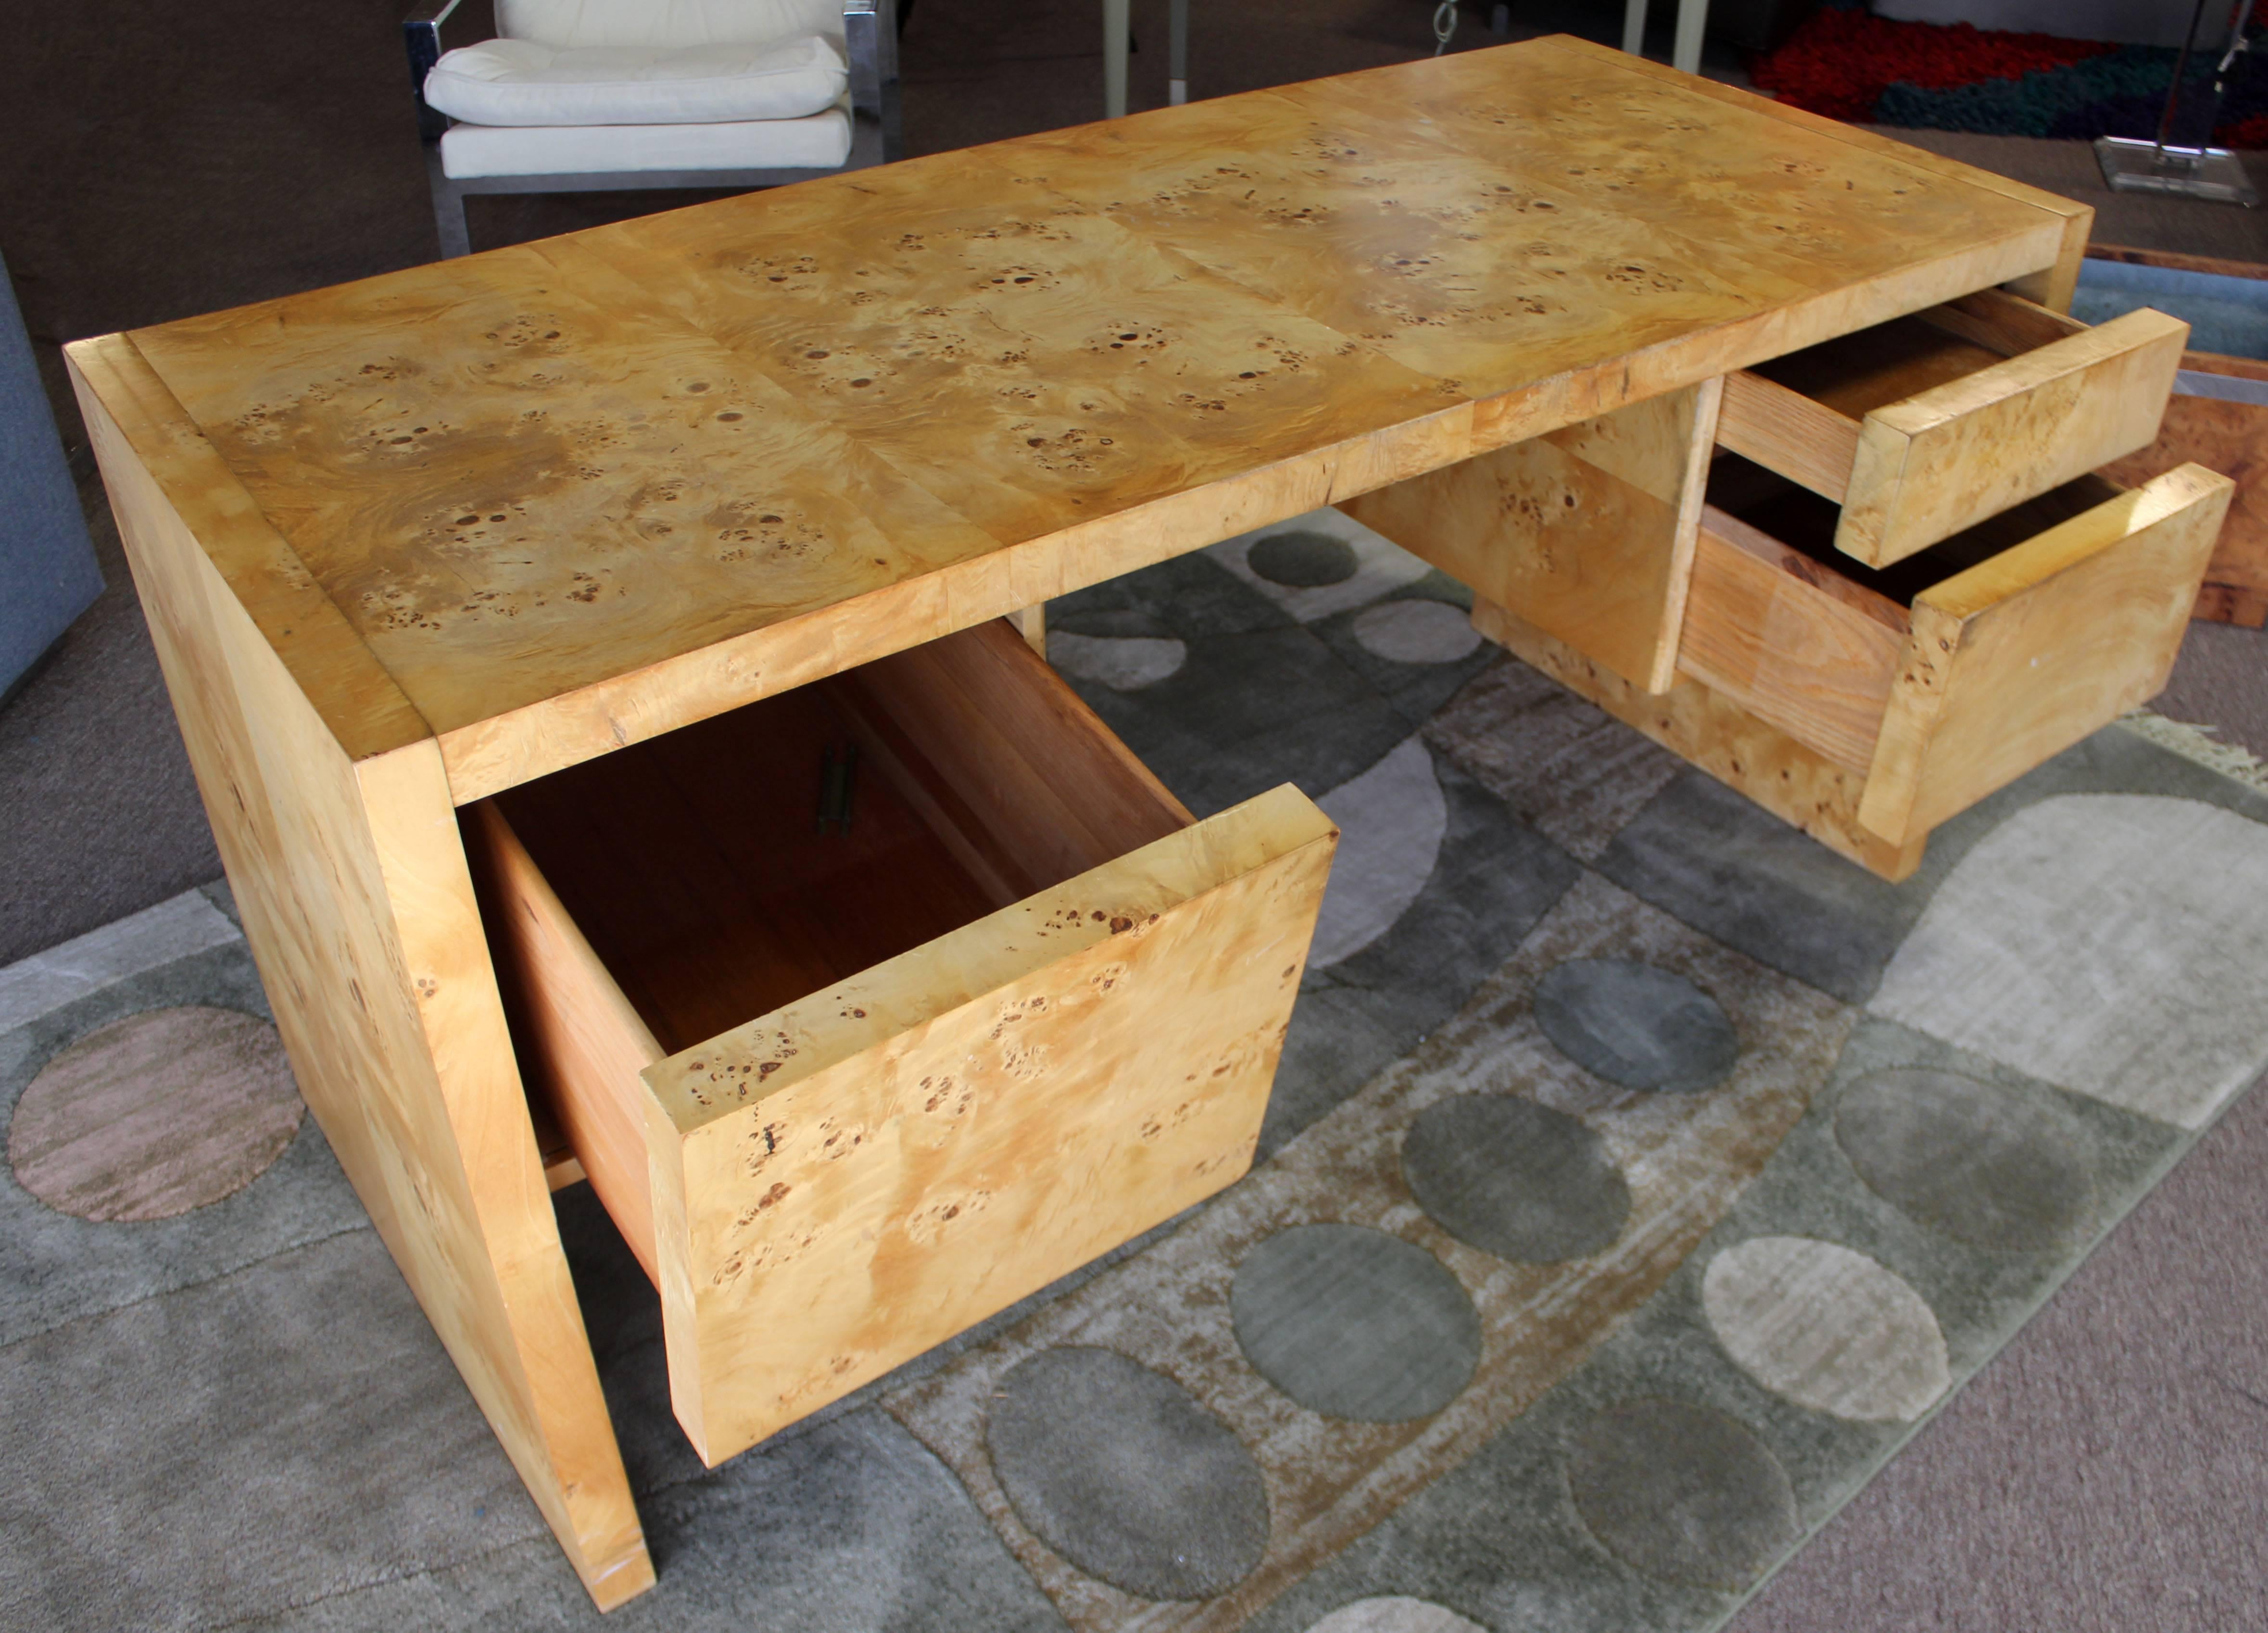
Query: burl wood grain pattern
[(1933, 464), (842, 1183), (1703, 727), (2231, 437), (1925, 426), (643, 902), (1587, 531), (2020, 657), (573, 495), (359, 911)]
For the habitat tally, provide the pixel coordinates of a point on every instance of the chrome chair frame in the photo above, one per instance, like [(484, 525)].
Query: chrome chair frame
[(870, 33)]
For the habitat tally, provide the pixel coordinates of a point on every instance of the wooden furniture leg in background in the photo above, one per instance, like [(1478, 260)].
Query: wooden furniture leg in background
[(341, 842), (1032, 624)]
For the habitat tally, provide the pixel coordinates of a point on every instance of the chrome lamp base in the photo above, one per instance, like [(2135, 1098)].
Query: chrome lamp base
[(2130, 165)]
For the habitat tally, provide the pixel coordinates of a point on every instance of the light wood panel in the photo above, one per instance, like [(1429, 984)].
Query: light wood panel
[(847, 1181), (1922, 427), (1797, 784), (712, 898), (1050, 787), (582, 1042), (2022, 656), (1932, 465), (574, 495), (2004, 322), (1586, 532), (1784, 430), (2052, 285), (360, 914), (1791, 641)]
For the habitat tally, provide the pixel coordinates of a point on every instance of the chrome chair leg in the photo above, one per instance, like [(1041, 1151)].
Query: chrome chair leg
[(448, 208)]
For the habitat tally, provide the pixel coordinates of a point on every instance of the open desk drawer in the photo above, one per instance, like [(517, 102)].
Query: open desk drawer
[(1922, 426), (848, 1092), (1956, 672)]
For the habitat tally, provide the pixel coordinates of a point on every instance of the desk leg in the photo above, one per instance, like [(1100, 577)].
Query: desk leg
[(1118, 22), (359, 910)]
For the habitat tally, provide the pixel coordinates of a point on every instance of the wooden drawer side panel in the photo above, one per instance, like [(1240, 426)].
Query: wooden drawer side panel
[(582, 1044), (1586, 532), (1004, 759), (1790, 642), (1786, 432), (1935, 463), (2014, 660), (864, 1175), (1731, 744)]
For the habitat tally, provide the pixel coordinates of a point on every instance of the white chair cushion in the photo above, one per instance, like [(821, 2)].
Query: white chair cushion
[(665, 24), (822, 142), (518, 81)]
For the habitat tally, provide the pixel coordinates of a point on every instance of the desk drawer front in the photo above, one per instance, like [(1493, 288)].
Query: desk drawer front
[(1928, 425), (1940, 684), (1017, 1098), (848, 1088)]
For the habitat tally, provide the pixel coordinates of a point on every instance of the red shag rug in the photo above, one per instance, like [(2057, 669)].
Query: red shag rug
[(1849, 65)]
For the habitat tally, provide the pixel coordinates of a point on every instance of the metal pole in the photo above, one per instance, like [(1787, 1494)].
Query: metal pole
[(1117, 22)]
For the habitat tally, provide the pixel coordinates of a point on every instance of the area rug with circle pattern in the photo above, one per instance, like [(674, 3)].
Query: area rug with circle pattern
[(1637, 1178)]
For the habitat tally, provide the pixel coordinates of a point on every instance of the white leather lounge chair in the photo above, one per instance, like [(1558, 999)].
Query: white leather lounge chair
[(580, 96)]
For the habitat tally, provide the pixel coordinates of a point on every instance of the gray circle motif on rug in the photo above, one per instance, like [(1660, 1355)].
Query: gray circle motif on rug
[(1302, 559), (154, 1114), (1682, 1492), (1636, 1024), (1354, 1323), (1417, 631), (1994, 1167), (1395, 1614), (1116, 1468), (1515, 1179)]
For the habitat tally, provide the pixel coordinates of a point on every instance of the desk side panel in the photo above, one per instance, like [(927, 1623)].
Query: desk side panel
[(1588, 531), (359, 911), (1715, 734)]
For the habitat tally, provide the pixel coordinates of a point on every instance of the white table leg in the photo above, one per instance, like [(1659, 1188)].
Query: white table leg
[(1177, 54), (1634, 28), (1116, 22), (1693, 17)]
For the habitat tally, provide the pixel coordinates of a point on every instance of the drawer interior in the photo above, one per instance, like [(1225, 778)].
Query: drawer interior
[(1805, 523), (1926, 426), (648, 900), (847, 1090), (1942, 676), (1856, 374), (698, 868), (1806, 639)]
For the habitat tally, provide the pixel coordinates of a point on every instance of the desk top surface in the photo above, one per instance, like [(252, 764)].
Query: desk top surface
[(564, 496)]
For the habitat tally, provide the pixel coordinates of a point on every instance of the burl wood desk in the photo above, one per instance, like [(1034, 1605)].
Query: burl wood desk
[(508, 606)]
